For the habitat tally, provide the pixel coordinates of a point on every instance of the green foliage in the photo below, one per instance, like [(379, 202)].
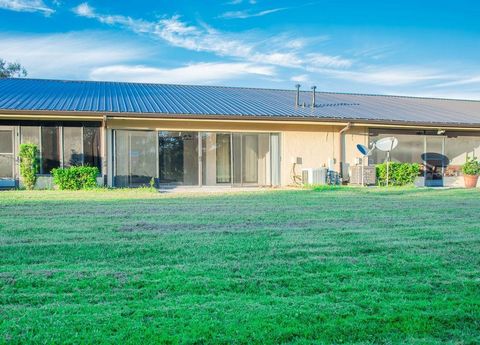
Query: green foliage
[(75, 178), (360, 266), (11, 69), (400, 174), (152, 183), (471, 167), (29, 164)]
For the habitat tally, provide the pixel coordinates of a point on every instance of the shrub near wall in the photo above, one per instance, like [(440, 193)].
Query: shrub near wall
[(400, 174), (75, 178), (29, 165)]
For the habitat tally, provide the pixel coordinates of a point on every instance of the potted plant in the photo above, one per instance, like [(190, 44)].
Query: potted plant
[(471, 170)]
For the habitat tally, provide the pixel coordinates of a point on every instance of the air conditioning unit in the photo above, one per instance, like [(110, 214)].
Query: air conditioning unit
[(314, 176)]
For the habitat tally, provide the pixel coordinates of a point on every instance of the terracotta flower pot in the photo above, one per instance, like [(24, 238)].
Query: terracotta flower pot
[(470, 181)]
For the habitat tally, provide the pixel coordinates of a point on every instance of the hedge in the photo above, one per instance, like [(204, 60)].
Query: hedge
[(400, 174), (75, 178)]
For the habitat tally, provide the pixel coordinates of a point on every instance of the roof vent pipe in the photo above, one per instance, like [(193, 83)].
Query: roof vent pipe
[(297, 95), (313, 96)]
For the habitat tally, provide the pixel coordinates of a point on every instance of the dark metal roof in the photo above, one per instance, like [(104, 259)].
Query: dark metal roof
[(164, 99)]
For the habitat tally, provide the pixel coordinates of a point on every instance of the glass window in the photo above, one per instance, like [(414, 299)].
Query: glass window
[(30, 135), (50, 149), (91, 147), (178, 157), (72, 146)]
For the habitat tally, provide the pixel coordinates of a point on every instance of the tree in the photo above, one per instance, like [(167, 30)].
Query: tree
[(11, 70)]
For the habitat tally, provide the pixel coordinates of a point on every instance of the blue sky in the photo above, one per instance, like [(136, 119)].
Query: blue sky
[(420, 48)]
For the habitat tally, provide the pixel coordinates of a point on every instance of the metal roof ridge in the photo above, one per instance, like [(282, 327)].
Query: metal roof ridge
[(246, 88)]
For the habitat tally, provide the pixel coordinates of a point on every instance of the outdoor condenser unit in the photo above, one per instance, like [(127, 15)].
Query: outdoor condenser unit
[(314, 176)]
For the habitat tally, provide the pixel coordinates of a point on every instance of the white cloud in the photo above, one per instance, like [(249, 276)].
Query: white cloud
[(177, 33), (249, 14), (461, 81), (205, 73), (386, 76), (26, 6), (302, 78), (70, 55), (322, 60), (84, 10)]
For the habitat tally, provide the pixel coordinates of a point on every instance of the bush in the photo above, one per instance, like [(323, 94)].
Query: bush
[(471, 167), (29, 164), (75, 178), (400, 174)]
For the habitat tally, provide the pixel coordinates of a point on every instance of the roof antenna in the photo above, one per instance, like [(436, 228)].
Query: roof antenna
[(313, 96), (297, 95)]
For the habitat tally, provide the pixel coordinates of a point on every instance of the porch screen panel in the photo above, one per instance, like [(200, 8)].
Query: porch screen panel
[(50, 149), (72, 146), (223, 158), (6, 154), (30, 135), (409, 149), (91, 147), (458, 148), (122, 158)]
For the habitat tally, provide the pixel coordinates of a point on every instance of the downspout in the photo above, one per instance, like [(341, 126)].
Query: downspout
[(104, 151), (340, 148)]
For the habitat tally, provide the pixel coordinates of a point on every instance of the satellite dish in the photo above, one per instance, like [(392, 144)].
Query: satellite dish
[(363, 150), (387, 144)]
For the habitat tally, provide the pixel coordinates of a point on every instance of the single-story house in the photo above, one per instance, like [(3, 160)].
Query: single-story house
[(223, 136)]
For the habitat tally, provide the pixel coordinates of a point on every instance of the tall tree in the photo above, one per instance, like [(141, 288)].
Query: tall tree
[(11, 70)]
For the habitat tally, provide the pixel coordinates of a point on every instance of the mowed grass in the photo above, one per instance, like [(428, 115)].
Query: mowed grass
[(398, 266)]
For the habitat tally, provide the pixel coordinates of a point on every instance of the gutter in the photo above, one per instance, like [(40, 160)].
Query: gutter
[(359, 122)]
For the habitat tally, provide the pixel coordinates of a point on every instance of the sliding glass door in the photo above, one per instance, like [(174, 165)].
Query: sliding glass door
[(195, 158), (178, 157), (216, 159), (251, 159), (135, 158)]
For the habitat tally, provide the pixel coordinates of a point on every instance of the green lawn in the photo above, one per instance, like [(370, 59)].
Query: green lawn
[(398, 266)]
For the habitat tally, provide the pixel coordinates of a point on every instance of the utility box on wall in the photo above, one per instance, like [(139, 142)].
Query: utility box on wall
[(369, 175)]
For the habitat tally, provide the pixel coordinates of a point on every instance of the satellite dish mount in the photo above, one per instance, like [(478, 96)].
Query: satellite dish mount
[(365, 153), (387, 145)]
